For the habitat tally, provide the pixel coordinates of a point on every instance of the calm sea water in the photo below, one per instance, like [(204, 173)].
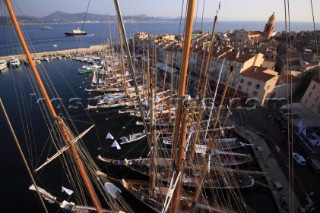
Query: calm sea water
[(18, 97), (98, 33)]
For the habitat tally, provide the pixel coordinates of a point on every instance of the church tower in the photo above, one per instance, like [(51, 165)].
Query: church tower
[(268, 29)]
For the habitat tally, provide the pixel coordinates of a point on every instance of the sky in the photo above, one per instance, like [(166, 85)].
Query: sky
[(231, 10)]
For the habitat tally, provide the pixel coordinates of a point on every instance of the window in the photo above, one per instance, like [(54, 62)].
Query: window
[(314, 86), (239, 87), (257, 86), (312, 106), (254, 93), (305, 102), (309, 94), (241, 81), (249, 83)]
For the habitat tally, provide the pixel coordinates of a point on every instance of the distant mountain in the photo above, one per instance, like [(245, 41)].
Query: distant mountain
[(59, 16)]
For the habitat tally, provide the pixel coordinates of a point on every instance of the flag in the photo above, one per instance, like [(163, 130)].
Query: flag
[(116, 144), (68, 191), (219, 5), (109, 136)]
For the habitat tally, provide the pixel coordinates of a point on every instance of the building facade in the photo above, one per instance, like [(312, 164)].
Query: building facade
[(311, 98)]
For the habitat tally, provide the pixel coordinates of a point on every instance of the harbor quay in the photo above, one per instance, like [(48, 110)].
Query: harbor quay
[(68, 52), (276, 180)]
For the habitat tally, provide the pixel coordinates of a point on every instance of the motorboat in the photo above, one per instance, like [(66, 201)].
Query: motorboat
[(132, 138), (89, 69), (3, 64), (14, 62)]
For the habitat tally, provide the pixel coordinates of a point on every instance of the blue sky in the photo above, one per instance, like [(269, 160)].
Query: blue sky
[(231, 10)]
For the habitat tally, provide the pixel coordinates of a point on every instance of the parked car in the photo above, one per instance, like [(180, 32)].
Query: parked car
[(299, 159)]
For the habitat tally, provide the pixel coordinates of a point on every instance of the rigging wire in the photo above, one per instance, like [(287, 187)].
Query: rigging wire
[(314, 28), (204, 4), (22, 155), (181, 14)]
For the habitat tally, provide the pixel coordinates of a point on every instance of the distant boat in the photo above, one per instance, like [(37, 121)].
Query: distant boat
[(3, 64), (14, 62), (75, 32), (46, 28), (132, 138)]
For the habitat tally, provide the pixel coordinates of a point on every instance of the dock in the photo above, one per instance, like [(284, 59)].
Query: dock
[(69, 52), (270, 165)]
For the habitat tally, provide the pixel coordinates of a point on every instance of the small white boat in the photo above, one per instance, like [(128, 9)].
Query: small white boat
[(46, 28), (3, 64), (14, 62), (132, 138)]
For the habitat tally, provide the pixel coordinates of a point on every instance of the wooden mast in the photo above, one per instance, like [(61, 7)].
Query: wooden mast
[(183, 73), (179, 120), (62, 126)]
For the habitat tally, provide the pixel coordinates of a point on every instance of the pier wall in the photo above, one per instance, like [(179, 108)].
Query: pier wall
[(90, 49)]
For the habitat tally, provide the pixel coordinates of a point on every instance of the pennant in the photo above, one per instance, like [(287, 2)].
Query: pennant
[(116, 144), (301, 127), (68, 191), (219, 5), (304, 131), (111, 189), (109, 136)]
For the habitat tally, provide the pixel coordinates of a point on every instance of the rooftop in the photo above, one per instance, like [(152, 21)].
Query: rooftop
[(259, 73)]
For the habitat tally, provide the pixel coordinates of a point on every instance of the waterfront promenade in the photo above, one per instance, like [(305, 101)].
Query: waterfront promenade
[(90, 49), (269, 165)]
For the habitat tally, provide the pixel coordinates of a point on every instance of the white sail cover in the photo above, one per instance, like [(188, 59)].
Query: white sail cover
[(68, 191), (109, 136), (116, 144), (46, 195), (111, 189)]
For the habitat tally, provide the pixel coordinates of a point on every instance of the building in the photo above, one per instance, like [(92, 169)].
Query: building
[(311, 98), (258, 83)]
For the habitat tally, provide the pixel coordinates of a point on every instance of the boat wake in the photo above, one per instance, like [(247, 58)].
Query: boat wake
[(89, 35)]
